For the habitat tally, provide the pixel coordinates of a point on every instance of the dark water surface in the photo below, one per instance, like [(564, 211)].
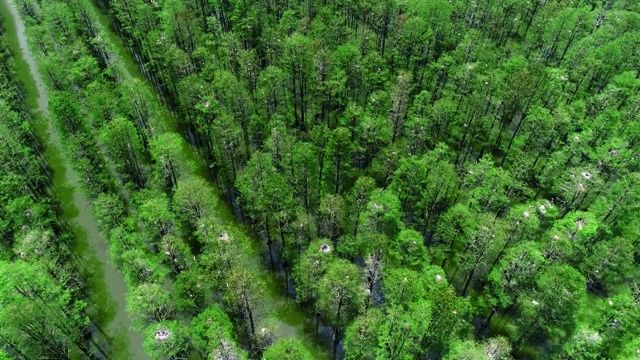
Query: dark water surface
[(107, 298), (290, 321)]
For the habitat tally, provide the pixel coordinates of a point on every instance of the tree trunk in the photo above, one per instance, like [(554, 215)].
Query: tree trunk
[(487, 321), (336, 333), (247, 308), (466, 285)]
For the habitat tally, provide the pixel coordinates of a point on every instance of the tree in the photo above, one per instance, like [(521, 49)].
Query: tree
[(408, 250), (402, 331), (269, 199), (39, 317), (399, 104), (280, 145), (287, 349), (360, 197), (66, 113), (466, 350), (572, 235), (450, 313), (361, 337), (498, 348), (271, 90), (166, 340), (166, 150), (190, 289), (386, 163), (383, 214), (155, 215), (608, 263), (332, 214), (425, 184), (486, 186), (109, 211), (480, 247), (177, 253), (402, 286), (372, 133), (514, 275), (125, 148), (139, 266), (305, 174), (226, 146), (584, 344), (42, 247), (223, 250), (492, 348), (340, 295), (296, 60), (243, 295), (578, 186), (211, 329), (193, 200), (560, 292), (454, 225), (619, 201), (149, 304), (614, 319), (521, 224), (308, 272), (338, 170)]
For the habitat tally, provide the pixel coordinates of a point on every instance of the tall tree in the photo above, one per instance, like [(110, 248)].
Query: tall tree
[(340, 295)]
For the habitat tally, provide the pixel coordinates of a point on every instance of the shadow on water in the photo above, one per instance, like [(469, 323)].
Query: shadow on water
[(106, 291), (292, 322)]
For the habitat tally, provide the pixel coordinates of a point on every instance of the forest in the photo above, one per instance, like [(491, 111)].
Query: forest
[(305, 179)]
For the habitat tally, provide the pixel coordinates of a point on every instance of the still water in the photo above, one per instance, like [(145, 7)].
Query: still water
[(107, 298), (291, 322)]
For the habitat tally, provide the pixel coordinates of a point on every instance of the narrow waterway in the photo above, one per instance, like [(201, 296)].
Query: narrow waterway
[(291, 321), (107, 285)]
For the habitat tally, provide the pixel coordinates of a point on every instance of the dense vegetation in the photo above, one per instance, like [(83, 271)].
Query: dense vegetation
[(428, 179), (45, 308)]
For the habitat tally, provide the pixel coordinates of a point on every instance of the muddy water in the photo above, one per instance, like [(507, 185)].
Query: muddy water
[(107, 298)]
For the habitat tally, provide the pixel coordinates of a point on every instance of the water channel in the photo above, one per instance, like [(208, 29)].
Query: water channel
[(108, 289), (107, 284), (291, 321)]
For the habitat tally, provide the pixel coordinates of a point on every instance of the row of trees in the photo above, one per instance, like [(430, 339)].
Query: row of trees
[(161, 213), (44, 308), (482, 153)]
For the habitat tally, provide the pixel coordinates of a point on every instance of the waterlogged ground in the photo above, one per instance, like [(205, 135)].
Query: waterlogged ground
[(291, 322), (107, 285)]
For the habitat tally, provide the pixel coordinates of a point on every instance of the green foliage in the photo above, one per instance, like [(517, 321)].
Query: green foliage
[(35, 307), (408, 249), (166, 340), (193, 200), (311, 267), (125, 148), (108, 210), (155, 215), (460, 153), (149, 304), (287, 349), (340, 292), (383, 214), (493, 348), (190, 289), (210, 328), (166, 150)]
